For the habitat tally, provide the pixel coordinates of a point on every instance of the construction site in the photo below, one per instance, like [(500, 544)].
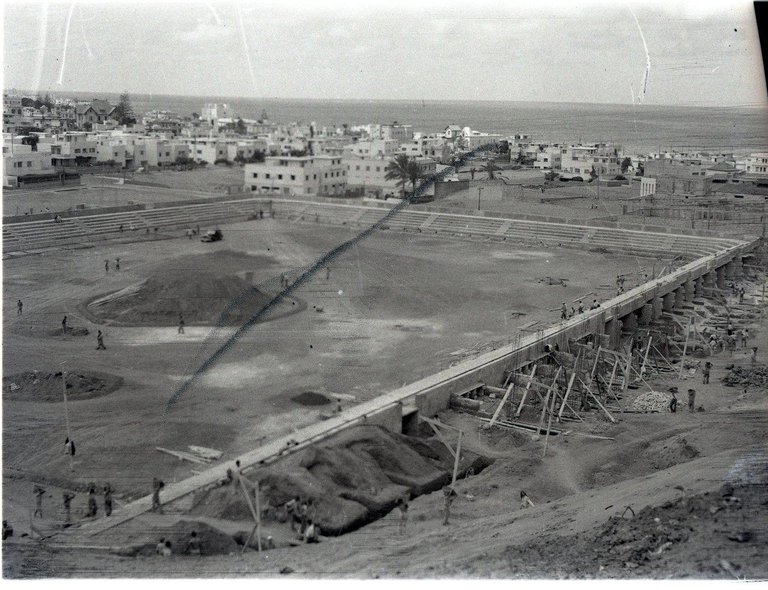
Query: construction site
[(544, 390)]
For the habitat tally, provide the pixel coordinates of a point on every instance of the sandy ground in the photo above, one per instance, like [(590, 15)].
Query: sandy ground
[(393, 311)]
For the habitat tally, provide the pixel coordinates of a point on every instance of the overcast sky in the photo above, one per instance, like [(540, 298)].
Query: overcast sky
[(700, 54)]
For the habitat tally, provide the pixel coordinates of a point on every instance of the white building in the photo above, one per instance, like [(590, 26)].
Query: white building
[(550, 158), (756, 163), (212, 112), (370, 174), (602, 158), (305, 175)]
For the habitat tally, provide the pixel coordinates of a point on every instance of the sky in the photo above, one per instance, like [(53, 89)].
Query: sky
[(669, 53)]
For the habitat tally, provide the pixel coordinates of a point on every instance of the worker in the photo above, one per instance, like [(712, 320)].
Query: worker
[(181, 323), (69, 447), (106, 266), (93, 507), (754, 354), (691, 399), (744, 337), (292, 511), (402, 504), (67, 498), (311, 534), (193, 545), (449, 495), (157, 485), (19, 307), (595, 304), (160, 546), (166, 549), (581, 307), (673, 403), (39, 492), (706, 371), (525, 501), (729, 329), (100, 341), (7, 530), (108, 499), (564, 312), (117, 264), (327, 272), (303, 513), (741, 293), (64, 325)]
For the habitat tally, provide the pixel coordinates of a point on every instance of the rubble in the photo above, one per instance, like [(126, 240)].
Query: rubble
[(651, 401), (737, 376)]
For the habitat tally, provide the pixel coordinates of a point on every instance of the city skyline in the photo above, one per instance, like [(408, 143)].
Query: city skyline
[(678, 54)]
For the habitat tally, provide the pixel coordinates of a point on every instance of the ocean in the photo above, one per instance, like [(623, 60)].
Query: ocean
[(639, 128)]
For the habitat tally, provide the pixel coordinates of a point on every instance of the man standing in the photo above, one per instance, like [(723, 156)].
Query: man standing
[(449, 495), (525, 501), (402, 504), (744, 337), (564, 312), (19, 307), (108, 499), (117, 264), (64, 325), (706, 371), (100, 341), (93, 507), (39, 492), (181, 323), (106, 266), (157, 485), (67, 498), (673, 403), (691, 399), (291, 511), (193, 545)]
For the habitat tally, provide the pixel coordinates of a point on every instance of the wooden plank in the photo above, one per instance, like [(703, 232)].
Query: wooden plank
[(645, 358), (182, 455), (515, 426), (525, 393), (570, 385), (602, 407), (205, 452), (440, 437), (549, 426), (594, 367), (501, 403), (685, 346), (456, 461)]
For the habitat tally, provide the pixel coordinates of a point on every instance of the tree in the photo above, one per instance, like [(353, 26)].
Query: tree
[(240, 127), (397, 169), (123, 112), (490, 169), (195, 115), (256, 158), (47, 101), (31, 140), (415, 173), (625, 163)]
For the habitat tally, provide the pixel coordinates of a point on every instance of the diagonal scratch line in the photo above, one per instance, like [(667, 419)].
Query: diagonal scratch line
[(647, 73), (66, 43), (42, 45), (306, 275), (245, 44)]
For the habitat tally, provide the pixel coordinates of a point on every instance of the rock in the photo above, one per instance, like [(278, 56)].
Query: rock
[(14, 387), (286, 570), (742, 537)]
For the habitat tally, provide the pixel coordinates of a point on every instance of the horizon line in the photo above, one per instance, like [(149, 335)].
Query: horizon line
[(403, 100)]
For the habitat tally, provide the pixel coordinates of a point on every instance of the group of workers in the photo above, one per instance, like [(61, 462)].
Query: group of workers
[(67, 497), (566, 314)]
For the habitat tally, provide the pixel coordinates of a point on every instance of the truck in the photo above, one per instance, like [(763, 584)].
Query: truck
[(212, 235)]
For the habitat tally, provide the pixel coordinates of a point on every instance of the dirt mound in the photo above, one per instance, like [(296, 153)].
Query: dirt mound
[(712, 535), (651, 401), (71, 331), (310, 398), (39, 386), (353, 478), (743, 376), (203, 297), (671, 452), (212, 540)]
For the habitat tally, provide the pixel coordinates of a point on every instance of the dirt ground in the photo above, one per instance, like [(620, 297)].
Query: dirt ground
[(392, 311)]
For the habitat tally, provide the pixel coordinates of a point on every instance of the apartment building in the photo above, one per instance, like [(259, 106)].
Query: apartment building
[(304, 175), (370, 174), (602, 158)]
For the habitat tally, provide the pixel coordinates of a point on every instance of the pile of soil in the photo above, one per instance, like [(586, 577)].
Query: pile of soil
[(310, 398), (671, 452), (743, 376), (652, 401), (712, 535), (39, 386), (353, 478), (203, 297), (212, 540), (71, 331)]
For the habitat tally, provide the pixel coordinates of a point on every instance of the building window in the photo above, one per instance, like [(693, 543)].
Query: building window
[(293, 177), (255, 174), (279, 176), (266, 175)]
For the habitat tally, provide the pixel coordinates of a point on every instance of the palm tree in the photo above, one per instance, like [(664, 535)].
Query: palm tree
[(415, 173), (397, 169), (490, 169)]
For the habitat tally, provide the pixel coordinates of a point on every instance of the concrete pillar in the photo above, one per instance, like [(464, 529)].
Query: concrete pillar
[(739, 262), (613, 333), (679, 296), (658, 307), (646, 314), (730, 270), (720, 280), (710, 279), (690, 291), (669, 302), (698, 291), (629, 322)]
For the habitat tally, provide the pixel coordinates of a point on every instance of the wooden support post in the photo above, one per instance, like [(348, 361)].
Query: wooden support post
[(602, 407), (549, 425), (661, 354), (525, 393), (501, 404), (544, 409), (594, 367), (456, 460), (258, 513), (625, 383), (613, 375), (685, 348), (645, 358), (440, 437)]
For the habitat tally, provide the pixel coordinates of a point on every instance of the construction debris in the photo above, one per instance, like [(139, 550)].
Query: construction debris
[(738, 376), (651, 401)]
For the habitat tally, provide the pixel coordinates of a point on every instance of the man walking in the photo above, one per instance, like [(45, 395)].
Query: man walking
[(19, 307), (181, 323), (100, 341), (402, 504), (673, 403), (117, 264), (39, 492), (744, 337), (525, 501), (93, 507), (564, 312), (64, 325), (106, 266), (706, 371), (691, 399), (157, 485)]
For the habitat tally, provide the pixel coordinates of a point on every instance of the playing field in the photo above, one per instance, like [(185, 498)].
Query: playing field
[(392, 309)]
